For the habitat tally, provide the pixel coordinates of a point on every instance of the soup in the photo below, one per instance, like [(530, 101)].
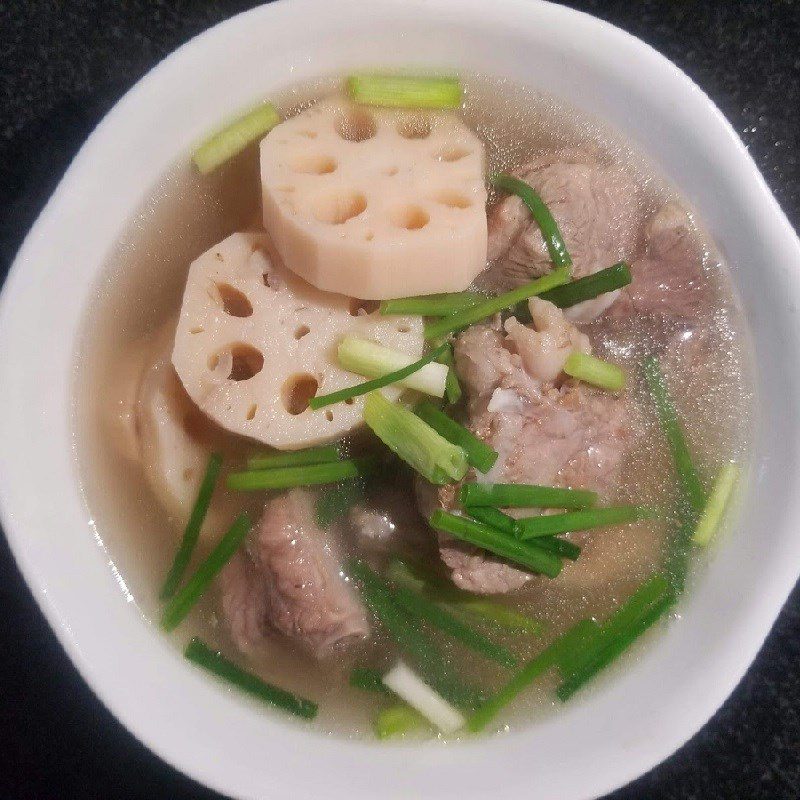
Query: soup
[(388, 561)]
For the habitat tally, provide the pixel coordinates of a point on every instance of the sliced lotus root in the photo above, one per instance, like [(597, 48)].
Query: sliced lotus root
[(376, 203), (255, 343)]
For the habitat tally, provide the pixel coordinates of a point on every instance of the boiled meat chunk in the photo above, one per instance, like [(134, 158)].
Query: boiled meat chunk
[(291, 582), (597, 209), (545, 348), (243, 601), (569, 435), (669, 280), (388, 522)]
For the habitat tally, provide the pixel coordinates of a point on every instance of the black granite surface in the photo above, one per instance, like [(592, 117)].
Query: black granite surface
[(63, 64)]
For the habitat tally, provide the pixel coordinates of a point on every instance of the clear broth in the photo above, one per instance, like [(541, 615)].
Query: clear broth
[(141, 290)]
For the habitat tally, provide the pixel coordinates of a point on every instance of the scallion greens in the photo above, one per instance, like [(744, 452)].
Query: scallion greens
[(193, 527)]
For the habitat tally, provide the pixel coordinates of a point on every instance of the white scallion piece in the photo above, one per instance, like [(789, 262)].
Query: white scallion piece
[(374, 361), (405, 683)]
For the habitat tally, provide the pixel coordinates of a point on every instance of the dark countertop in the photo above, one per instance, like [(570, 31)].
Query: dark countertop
[(62, 66)]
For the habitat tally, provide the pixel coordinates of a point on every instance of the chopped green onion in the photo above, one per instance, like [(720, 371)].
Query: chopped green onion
[(593, 370), (541, 214), (414, 441), (201, 654), (590, 286), (179, 606), (452, 387), (334, 502), (479, 454), (300, 458), (522, 553), (230, 141), (432, 305), (648, 593), (518, 495), (397, 720), (613, 639), (401, 574), (548, 658), (418, 606), (368, 679), (315, 403), (561, 547), (192, 531), (668, 417), (405, 683), (551, 524), (405, 91), (616, 628), (438, 590), (715, 507), (495, 518), (582, 636), (496, 614), (309, 475), (375, 361), (467, 316), (692, 496), (676, 563), (410, 639)]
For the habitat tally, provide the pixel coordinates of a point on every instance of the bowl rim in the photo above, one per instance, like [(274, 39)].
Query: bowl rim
[(14, 506)]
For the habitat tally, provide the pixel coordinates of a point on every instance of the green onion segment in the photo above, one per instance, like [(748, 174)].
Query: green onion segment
[(309, 475), (467, 316), (495, 518), (518, 495), (553, 239), (398, 720), (552, 524), (230, 141), (627, 623), (479, 454), (718, 499), (179, 606), (561, 547), (452, 387), (668, 417), (373, 360), (595, 371), (409, 638), (334, 502), (585, 649), (210, 660), (590, 286), (549, 657), (418, 606), (414, 441), (405, 91), (523, 553), (193, 527), (440, 590), (368, 679), (432, 305), (315, 403), (299, 458)]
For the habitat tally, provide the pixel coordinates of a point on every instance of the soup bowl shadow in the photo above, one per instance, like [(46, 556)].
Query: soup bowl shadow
[(603, 739)]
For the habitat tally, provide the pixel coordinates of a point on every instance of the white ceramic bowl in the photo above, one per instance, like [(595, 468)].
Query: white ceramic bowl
[(596, 743)]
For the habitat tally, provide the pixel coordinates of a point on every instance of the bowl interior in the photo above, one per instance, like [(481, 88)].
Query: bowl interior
[(630, 722)]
